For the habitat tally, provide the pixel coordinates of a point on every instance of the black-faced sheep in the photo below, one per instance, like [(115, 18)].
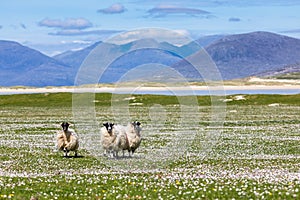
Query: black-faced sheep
[(133, 132), (108, 137), (67, 140)]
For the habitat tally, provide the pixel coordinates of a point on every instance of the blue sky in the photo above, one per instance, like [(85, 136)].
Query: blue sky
[(55, 26)]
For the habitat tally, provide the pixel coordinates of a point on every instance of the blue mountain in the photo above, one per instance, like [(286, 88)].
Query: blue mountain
[(236, 56), (20, 65)]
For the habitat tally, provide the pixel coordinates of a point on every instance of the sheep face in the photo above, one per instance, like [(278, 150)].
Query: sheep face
[(65, 126), (109, 127), (136, 124)]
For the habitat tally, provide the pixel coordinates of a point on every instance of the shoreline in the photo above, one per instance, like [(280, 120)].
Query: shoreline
[(158, 89)]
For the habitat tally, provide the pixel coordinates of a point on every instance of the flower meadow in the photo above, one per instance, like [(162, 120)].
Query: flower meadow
[(256, 154)]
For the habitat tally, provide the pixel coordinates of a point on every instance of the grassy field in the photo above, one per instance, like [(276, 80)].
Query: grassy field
[(256, 154)]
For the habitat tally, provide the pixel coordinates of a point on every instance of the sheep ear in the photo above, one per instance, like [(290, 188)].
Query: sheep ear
[(138, 123), (112, 124), (105, 124)]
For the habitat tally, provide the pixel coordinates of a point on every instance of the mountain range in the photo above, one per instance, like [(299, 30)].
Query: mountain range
[(20, 65), (236, 56)]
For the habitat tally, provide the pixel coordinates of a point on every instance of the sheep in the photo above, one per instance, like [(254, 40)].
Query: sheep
[(108, 137), (133, 132), (121, 142), (67, 140), (115, 138)]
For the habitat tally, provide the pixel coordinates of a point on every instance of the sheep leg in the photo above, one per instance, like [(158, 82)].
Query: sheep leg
[(66, 153), (76, 154), (129, 155), (110, 153)]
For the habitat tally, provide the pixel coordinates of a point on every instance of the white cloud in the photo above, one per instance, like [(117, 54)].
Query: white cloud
[(113, 9), (76, 32), (81, 42), (164, 10), (291, 31), (77, 49), (177, 37), (70, 23), (234, 19)]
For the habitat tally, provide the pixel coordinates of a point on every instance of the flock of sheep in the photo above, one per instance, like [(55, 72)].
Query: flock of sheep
[(114, 138)]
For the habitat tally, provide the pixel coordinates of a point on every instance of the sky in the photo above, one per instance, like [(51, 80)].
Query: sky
[(55, 26)]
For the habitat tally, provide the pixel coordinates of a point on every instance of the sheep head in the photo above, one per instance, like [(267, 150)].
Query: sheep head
[(65, 126), (109, 127), (136, 125)]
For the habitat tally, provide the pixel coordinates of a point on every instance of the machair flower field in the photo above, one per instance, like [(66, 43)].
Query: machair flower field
[(256, 156)]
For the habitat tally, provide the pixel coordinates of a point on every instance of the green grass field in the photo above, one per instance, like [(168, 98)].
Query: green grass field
[(255, 155)]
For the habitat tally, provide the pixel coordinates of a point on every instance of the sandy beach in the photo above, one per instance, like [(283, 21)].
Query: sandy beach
[(151, 90)]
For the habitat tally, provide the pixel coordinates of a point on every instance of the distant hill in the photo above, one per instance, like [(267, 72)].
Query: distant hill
[(289, 71), (14, 56), (75, 58), (243, 55), (133, 59), (20, 65), (236, 56), (128, 60)]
